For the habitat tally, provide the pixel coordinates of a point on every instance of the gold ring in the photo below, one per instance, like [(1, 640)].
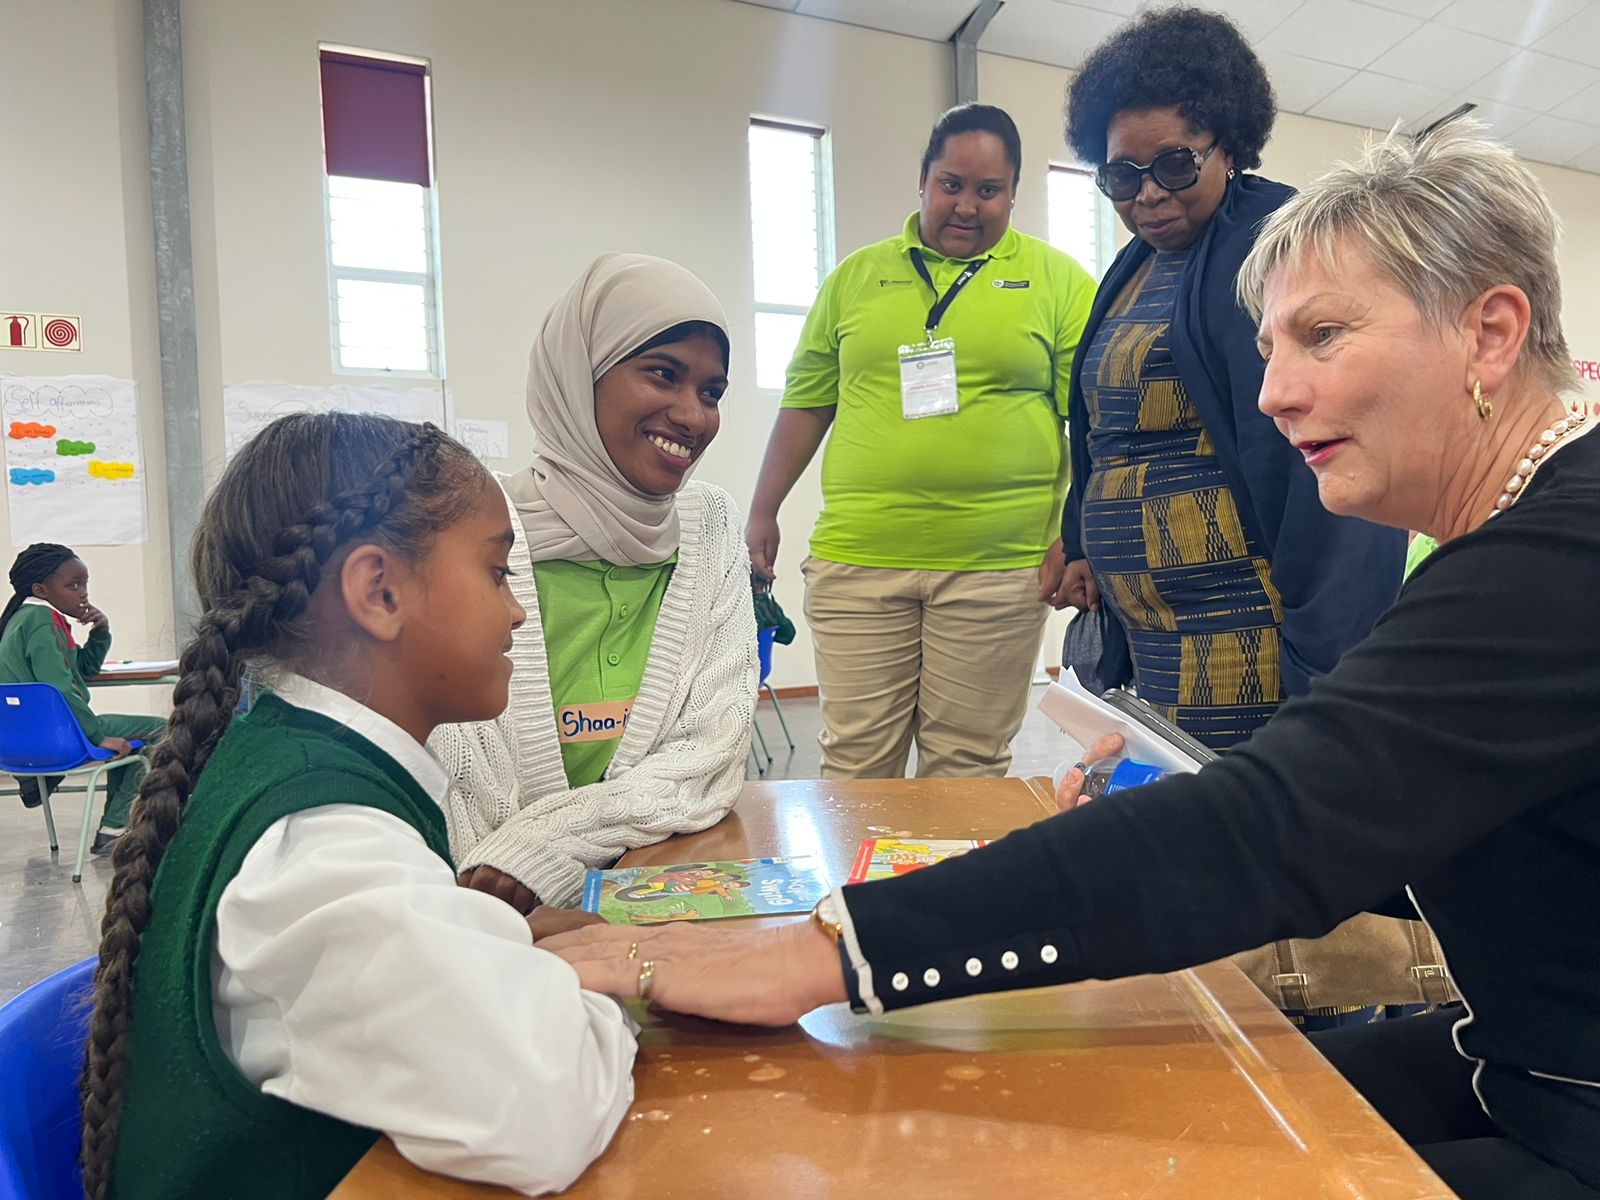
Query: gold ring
[(633, 950), (647, 978)]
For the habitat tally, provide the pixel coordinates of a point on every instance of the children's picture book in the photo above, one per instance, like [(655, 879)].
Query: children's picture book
[(883, 858), (704, 891)]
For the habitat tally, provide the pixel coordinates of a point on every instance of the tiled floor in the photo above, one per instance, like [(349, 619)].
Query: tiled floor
[(47, 921)]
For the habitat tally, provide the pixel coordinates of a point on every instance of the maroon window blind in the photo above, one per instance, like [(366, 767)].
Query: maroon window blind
[(374, 118)]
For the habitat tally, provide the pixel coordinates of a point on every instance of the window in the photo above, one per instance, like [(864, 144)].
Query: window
[(791, 232), (1081, 219), (382, 257)]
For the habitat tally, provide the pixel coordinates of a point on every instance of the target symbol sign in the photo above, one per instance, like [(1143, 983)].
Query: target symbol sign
[(60, 332)]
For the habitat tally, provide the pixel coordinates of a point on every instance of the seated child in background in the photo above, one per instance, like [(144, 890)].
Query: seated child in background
[(51, 583), (288, 967)]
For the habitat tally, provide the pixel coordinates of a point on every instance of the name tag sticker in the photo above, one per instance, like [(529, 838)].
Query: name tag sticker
[(928, 379), (603, 721)]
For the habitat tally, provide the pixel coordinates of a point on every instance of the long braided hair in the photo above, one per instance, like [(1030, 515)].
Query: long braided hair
[(34, 565), (298, 492)]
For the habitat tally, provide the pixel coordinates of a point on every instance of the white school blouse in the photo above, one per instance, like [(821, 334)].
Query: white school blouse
[(351, 975)]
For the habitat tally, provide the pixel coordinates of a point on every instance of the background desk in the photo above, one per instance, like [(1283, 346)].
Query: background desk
[(1176, 1087)]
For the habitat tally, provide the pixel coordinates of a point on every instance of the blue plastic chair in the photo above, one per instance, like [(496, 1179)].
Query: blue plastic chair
[(42, 1032), (39, 737), (764, 639)]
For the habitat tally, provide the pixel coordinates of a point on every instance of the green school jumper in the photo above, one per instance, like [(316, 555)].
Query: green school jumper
[(192, 1125), (37, 648)]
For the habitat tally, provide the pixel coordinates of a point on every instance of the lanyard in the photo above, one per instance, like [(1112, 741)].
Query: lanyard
[(941, 303)]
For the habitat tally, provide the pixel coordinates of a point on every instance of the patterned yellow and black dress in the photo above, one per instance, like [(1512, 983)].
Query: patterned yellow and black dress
[(1162, 532)]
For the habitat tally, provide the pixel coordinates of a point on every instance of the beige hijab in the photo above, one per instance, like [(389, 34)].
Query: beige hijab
[(574, 502)]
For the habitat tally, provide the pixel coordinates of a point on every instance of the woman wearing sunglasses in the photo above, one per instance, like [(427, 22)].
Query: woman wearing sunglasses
[(1189, 515)]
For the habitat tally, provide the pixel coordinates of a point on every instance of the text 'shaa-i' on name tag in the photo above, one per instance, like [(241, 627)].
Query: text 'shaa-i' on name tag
[(599, 722)]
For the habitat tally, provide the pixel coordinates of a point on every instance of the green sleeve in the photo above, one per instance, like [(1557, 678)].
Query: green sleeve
[(47, 660), (813, 379), (1076, 288), (92, 656)]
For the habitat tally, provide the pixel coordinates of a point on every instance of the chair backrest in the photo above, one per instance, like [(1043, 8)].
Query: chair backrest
[(38, 731), (763, 653), (42, 1032)]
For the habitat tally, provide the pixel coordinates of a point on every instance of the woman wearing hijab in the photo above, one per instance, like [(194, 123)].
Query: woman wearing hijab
[(635, 672)]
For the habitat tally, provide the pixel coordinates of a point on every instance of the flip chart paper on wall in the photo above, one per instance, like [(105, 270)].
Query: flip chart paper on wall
[(487, 439), (74, 466), (248, 408)]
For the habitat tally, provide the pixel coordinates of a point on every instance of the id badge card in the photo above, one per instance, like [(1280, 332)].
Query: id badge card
[(928, 379)]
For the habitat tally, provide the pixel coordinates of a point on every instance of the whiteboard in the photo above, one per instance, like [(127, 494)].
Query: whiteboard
[(74, 466), (248, 408)]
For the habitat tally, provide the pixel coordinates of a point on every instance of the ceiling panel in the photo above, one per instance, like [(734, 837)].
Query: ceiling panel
[(1049, 31), (1301, 82), (1257, 18), (1341, 31), (1502, 119), (1412, 8), (1554, 139), (1443, 57), (1536, 81), (933, 20), (1377, 101), (1531, 65), (1576, 38), (1521, 24)]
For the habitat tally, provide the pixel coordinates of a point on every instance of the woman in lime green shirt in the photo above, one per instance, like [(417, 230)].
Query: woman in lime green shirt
[(936, 557)]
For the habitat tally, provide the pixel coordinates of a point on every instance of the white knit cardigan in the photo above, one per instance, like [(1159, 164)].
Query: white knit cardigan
[(680, 762)]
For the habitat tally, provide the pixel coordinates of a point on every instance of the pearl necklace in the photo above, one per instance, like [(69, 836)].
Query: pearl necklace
[(1537, 453)]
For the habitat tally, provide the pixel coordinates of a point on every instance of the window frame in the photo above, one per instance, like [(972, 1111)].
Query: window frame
[(822, 175), (429, 278), (1105, 217)]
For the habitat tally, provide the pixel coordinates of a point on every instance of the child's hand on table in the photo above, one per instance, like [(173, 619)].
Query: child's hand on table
[(546, 920), (484, 878)]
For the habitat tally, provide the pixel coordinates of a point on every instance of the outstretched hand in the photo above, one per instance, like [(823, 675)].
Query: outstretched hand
[(754, 976)]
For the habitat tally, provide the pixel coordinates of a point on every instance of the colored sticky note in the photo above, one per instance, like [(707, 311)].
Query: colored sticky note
[(68, 447), (110, 470), (22, 476)]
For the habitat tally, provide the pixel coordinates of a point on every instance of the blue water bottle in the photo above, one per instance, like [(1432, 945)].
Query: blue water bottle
[(1104, 778)]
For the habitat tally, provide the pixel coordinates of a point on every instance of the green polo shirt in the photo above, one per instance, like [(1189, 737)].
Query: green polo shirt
[(598, 622), (977, 490)]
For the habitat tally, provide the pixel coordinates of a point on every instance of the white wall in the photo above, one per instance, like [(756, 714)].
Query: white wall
[(75, 223), (562, 129)]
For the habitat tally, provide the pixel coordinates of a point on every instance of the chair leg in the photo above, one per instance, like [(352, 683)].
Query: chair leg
[(88, 818), (49, 818), (762, 738), (761, 771), (778, 708)]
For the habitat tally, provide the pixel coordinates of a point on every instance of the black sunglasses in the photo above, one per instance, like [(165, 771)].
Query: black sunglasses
[(1173, 170)]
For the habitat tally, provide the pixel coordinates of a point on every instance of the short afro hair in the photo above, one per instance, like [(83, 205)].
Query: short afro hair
[(1188, 57)]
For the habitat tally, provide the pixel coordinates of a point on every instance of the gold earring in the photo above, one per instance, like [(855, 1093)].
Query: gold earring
[(1485, 405)]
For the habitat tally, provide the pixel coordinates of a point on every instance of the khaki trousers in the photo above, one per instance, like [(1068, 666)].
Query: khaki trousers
[(944, 658)]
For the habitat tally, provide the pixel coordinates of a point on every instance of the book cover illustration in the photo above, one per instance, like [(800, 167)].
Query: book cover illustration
[(882, 858), (704, 891)]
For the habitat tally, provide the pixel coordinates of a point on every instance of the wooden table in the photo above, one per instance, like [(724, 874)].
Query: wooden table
[(1171, 1087), (154, 675)]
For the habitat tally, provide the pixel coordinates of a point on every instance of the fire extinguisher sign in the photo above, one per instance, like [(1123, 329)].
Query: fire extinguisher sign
[(40, 331), (19, 331)]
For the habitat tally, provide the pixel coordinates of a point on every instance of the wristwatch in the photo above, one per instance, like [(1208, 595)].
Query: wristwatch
[(823, 917)]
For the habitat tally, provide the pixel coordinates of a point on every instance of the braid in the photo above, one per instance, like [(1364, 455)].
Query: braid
[(258, 612)]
